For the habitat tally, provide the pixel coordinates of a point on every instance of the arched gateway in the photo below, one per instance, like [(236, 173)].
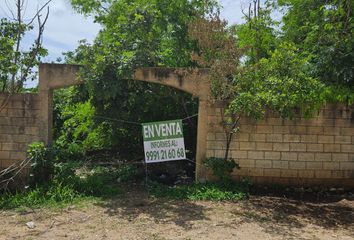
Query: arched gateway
[(195, 82)]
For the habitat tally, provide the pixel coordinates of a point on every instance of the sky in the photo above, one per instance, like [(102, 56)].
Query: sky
[(65, 28)]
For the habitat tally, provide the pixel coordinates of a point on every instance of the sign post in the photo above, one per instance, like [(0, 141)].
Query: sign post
[(163, 141)]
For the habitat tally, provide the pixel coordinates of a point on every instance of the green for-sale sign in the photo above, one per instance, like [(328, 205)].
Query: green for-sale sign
[(163, 141)]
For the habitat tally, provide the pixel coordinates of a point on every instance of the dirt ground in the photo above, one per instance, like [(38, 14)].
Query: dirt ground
[(136, 216)]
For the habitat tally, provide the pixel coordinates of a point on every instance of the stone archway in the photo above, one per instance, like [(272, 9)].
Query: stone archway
[(195, 82)]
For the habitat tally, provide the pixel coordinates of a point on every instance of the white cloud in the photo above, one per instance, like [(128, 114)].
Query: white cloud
[(63, 29)]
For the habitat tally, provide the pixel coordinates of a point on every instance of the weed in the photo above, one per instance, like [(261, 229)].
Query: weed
[(67, 187), (197, 191), (222, 168)]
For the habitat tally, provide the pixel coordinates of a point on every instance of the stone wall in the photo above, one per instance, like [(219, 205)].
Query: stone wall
[(19, 126), (317, 151), (300, 151)]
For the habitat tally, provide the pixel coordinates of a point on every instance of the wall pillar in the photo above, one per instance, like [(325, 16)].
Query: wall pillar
[(201, 140)]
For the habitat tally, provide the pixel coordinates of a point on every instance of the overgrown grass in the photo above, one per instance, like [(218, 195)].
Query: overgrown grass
[(50, 196), (231, 191), (71, 183)]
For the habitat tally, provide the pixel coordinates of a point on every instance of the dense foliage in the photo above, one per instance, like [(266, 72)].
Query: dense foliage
[(289, 65), (134, 34), (324, 31), (321, 32)]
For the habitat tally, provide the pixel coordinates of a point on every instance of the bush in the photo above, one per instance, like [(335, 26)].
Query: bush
[(41, 163), (222, 168)]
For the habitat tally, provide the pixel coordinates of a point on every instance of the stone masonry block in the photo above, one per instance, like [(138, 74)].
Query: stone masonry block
[(281, 129), (331, 166), (263, 164), (210, 153), (289, 173), (246, 163), (255, 155), (325, 139), (306, 157), (248, 128), (32, 131), (346, 165), (220, 136), (315, 130), (212, 119), (5, 137), (314, 165), (297, 147), (264, 129), (343, 139), (306, 174), (340, 157), (4, 112), (309, 138), (9, 146), (219, 153), (297, 165), (323, 174), (331, 148), (348, 173), (247, 145), (11, 130), (4, 121), (343, 123), (272, 172), (18, 155), (274, 137), (298, 130), (291, 138), (264, 146), (337, 174), (272, 155), (347, 148), (323, 157), (210, 136), (314, 147), (281, 147), (234, 145), (242, 137), (347, 131), (289, 156), (4, 154), (18, 121), (256, 172), (281, 164), (238, 154), (332, 131), (258, 137)]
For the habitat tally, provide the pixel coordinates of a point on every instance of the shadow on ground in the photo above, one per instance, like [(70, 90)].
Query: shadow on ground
[(287, 217), (137, 204)]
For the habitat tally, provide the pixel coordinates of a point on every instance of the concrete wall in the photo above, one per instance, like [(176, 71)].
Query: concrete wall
[(275, 150), (297, 152), (19, 126)]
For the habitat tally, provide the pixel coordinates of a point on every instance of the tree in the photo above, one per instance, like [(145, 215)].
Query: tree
[(324, 30), (18, 65), (258, 34), (136, 34), (281, 83)]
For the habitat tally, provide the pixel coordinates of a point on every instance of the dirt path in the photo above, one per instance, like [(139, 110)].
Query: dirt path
[(138, 217)]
